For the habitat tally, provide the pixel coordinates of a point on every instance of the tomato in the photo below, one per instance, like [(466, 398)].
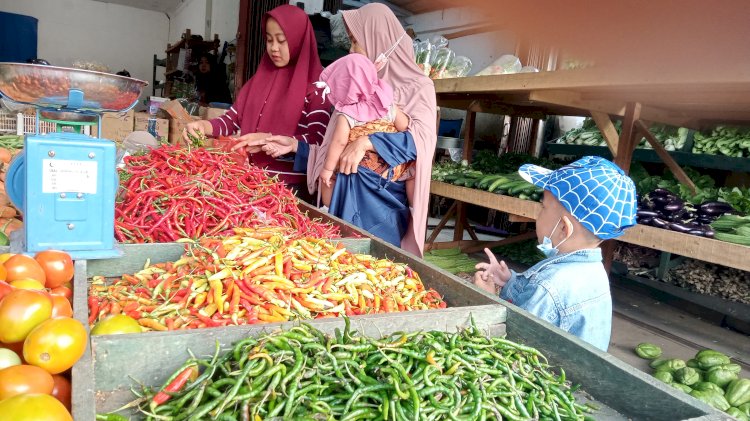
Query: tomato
[(62, 389), (4, 257), (27, 283), (21, 311), (61, 307), (8, 358), (3, 273), (34, 407), (20, 379), (56, 344), (57, 265), (20, 266), (5, 288), (113, 325), (63, 291)]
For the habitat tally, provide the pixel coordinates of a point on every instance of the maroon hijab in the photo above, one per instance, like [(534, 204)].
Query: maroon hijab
[(277, 95)]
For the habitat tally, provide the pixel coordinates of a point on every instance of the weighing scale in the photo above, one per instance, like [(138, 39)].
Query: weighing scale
[(65, 182)]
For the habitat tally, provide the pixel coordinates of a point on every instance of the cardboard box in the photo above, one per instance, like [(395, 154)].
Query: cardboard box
[(115, 126), (209, 113), (176, 126), (162, 126)]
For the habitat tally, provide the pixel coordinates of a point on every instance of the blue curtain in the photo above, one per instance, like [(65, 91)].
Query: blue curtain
[(18, 37)]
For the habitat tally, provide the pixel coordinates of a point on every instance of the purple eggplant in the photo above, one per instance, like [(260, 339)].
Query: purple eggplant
[(659, 223), (660, 192), (645, 221), (699, 233), (708, 232), (674, 206), (642, 213), (715, 208), (684, 228)]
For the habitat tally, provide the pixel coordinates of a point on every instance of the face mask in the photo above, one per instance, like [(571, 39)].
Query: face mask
[(547, 248), (382, 58)]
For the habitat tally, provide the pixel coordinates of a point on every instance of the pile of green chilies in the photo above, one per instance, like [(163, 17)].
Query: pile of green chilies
[(303, 374)]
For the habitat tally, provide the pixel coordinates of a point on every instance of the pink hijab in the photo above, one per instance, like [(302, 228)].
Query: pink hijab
[(354, 89), (375, 27)]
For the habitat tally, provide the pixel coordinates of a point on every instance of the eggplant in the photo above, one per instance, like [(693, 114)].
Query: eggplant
[(642, 213), (715, 208), (705, 220), (684, 228), (708, 232), (673, 206), (660, 201), (699, 233), (645, 221), (659, 223), (660, 192)]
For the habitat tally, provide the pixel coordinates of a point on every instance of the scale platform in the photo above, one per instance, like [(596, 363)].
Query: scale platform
[(65, 183)]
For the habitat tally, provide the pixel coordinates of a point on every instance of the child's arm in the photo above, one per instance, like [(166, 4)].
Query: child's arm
[(339, 140), (401, 121)]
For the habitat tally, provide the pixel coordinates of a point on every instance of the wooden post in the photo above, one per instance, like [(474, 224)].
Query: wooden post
[(679, 173), (605, 125), (627, 142), (458, 231), (625, 147)]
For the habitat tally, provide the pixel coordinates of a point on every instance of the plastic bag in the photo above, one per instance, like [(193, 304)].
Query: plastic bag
[(442, 57), (460, 66), (423, 56), (506, 64), (439, 41), (135, 143)]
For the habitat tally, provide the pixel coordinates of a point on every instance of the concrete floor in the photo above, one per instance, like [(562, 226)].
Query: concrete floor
[(638, 318)]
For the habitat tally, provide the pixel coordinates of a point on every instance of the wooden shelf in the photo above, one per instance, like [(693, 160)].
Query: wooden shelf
[(508, 204), (693, 246), (695, 99), (720, 162)]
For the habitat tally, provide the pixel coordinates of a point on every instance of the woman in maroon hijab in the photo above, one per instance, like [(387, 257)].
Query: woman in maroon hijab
[(280, 100)]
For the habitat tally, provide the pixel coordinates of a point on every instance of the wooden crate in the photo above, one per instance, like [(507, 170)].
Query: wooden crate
[(101, 380)]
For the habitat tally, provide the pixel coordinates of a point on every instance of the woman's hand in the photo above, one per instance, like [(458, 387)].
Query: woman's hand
[(251, 142), (277, 145), (195, 128), (353, 154)]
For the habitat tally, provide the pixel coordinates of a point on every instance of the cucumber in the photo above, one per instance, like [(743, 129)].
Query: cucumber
[(518, 188), (487, 181), (496, 184)]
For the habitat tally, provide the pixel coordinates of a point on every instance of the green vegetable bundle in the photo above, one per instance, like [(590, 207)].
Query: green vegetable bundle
[(11, 141), (304, 374), (672, 138), (525, 253), (733, 229), (723, 140), (451, 260)]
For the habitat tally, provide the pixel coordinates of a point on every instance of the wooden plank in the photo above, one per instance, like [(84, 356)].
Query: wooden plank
[(605, 125), (512, 205), (82, 374), (469, 133), (678, 172), (706, 249)]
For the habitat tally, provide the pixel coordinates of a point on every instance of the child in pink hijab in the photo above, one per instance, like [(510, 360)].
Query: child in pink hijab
[(365, 106)]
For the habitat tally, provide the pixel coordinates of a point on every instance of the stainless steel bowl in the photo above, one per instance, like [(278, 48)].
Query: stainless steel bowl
[(49, 87), (69, 116)]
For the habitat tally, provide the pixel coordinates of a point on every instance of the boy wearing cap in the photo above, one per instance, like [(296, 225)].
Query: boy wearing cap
[(584, 203)]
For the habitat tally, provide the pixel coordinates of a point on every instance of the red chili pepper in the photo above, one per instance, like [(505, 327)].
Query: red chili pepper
[(175, 385), (93, 309)]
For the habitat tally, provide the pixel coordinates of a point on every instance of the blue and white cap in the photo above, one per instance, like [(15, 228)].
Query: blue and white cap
[(596, 191)]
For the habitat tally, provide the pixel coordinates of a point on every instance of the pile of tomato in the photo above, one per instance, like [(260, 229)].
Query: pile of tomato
[(39, 338)]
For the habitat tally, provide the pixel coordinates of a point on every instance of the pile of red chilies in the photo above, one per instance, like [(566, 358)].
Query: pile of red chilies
[(171, 193)]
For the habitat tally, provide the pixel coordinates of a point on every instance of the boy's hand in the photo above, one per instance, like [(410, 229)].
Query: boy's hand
[(325, 177), (492, 275)]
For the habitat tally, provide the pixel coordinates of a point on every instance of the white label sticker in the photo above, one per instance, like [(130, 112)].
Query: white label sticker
[(66, 176)]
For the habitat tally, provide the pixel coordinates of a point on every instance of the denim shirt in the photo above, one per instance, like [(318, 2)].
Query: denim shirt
[(571, 291)]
